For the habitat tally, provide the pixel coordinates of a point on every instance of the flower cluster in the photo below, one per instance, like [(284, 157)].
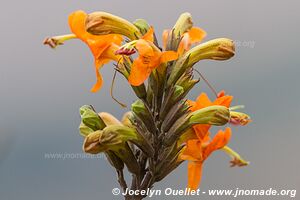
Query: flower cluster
[(163, 128)]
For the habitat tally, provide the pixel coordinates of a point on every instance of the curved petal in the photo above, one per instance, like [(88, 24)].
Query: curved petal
[(223, 101), (196, 34), (194, 174), (149, 35), (139, 72), (101, 46), (202, 101), (168, 56), (99, 81), (220, 140), (77, 24), (144, 48)]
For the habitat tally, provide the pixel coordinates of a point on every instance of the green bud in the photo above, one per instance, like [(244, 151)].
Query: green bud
[(84, 130), (116, 134), (213, 115), (142, 25), (217, 49), (90, 118), (91, 143), (183, 24), (105, 141)]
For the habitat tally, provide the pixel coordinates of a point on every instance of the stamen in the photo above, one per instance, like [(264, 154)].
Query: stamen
[(208, 84), (112, 88)]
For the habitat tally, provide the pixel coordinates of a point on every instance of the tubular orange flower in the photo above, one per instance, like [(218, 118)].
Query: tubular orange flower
[(150, 57), (102, 47), (194, 35), (198, 150)]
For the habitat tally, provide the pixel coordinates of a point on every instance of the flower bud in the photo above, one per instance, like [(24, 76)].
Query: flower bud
[(213, 115), (126, 120), (117, 134), (109, 119), (142, 25), (91, 143), (90, 118), (217, 49), (239, 118), (183, 24), (114, 140), (102, 23), (84, 130)]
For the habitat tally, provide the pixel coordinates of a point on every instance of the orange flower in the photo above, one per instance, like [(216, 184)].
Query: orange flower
[(102, 47), (198, 150), (150, 57), (194, 35)]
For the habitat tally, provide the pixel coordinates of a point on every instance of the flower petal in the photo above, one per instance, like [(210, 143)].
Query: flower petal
[(149, 35), (77, 24), (192, 151), (201, 131), (196, 34), (168, 56), (144, 48), (99, 81), (194, 174), (139, 72), (224, 101), (202, 102), (220, 140)]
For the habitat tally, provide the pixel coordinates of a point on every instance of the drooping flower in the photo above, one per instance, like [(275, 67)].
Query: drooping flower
[(194, 35), (200, 146), (150, 57), (102, 47), (198, 150)]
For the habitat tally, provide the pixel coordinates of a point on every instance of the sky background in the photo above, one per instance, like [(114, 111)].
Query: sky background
[(42, 89)]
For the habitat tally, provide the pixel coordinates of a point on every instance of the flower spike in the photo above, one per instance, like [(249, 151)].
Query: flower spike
[(163, 128)]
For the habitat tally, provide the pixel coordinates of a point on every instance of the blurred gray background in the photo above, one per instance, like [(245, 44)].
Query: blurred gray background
[(41, 90)]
